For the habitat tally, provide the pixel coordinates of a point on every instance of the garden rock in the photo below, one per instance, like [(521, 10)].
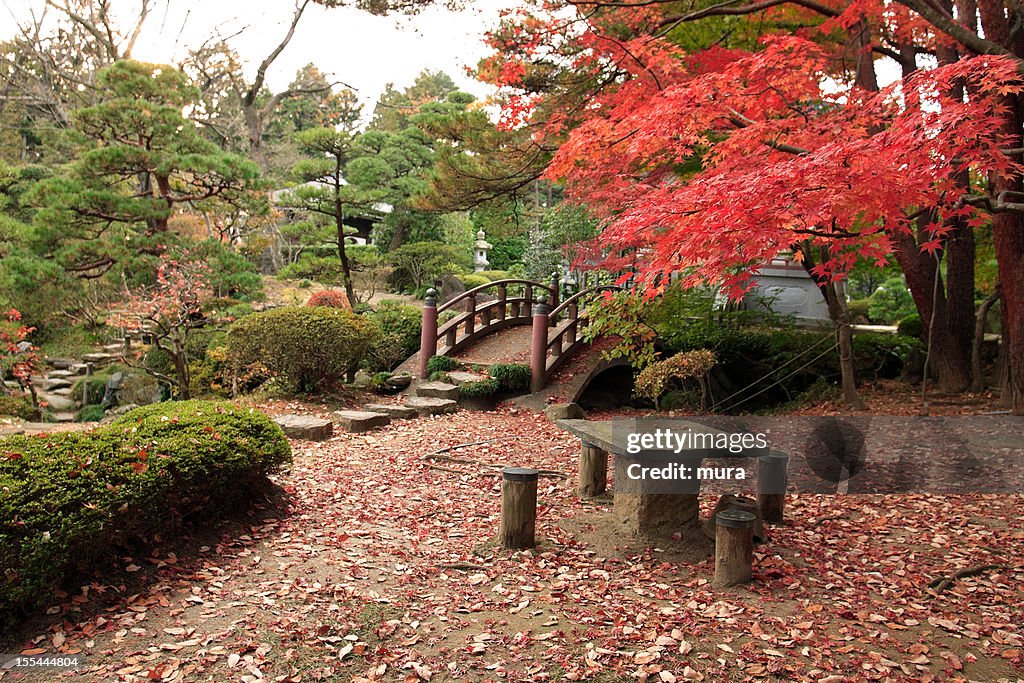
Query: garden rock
[(58, 404), (305, 427), (361, 421), (437, 390), (432, 406), (565, 411), (398, 382), (396, 412)]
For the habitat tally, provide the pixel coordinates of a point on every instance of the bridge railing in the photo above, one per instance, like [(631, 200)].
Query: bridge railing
[(480, 311), (556, 333), (556, 325)]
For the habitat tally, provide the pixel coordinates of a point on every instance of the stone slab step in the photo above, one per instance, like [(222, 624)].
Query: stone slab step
[(360, 420), (305, 427), (460, 377), (64, 417), (437, 390), (431, 406), (47, 384), (395, 411), (60, 374)]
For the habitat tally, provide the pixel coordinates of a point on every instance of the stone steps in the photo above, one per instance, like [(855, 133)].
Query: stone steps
[(361, 420), (441, 390)]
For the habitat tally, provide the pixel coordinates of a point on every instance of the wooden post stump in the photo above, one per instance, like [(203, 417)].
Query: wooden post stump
[(771, 486), (518, 508), (593, 471), (734, 548)]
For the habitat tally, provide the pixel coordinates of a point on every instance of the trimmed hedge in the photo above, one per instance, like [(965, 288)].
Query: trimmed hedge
[(305, 346), (68, 500)]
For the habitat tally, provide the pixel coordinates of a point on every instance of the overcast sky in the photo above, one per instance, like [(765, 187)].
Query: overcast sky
[(364, 51)]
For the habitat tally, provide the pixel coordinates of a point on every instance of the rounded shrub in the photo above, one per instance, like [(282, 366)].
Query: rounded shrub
[(330, 298), (492, 275), (71, 499), (304, 346), (17, 406), (911, 326), (473, 280)]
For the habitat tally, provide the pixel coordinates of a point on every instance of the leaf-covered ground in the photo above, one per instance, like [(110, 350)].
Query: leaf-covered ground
[(375, 563)]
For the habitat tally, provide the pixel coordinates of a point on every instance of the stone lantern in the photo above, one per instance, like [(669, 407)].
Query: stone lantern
[(480, 249)]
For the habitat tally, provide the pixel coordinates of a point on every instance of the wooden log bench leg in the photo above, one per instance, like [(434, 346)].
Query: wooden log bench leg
[(518, 508), (771, 486), (593, 471), (734, 548)]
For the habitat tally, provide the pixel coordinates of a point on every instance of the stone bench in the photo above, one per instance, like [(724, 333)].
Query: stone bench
[(676, 505)]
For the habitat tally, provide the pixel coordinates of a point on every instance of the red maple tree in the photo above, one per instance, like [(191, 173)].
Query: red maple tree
[(717, 160)]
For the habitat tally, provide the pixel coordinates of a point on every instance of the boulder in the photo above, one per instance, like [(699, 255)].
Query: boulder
[(58, 404), (305, 427), (395, 411), (60, 363), (361, 421), (565, 411), (437, 390), (431, 406), (398, 382)]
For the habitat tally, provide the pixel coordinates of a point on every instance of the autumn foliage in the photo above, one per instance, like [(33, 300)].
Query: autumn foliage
[(330, 298), (709, 162)]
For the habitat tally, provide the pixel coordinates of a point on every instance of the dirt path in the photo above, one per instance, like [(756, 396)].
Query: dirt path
[(379, 565)]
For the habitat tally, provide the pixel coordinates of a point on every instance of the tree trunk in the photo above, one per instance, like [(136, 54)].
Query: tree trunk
[(346, 267), (977, 376), (181, 370), (839, 314), (949, 353)]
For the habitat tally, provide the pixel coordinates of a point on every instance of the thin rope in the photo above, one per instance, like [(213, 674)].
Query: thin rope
[(761, 379), (782, 379)]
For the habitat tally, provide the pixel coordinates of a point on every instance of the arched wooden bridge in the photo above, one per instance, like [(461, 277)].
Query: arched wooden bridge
[(557, 325)]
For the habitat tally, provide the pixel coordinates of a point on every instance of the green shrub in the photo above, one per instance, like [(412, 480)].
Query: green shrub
[(473, 280), (884, 355), (90, 413), (859, 310), (891, 302), (492, 275), (306, 347), (442, 364), (480, 389), (513, 377), (911, 326), (90, 390), (399, 338), (440, 376), (71, 499), (17, 406)]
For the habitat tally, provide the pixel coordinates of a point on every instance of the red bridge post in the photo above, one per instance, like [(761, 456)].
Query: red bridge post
[(539, 344), (428, 334)]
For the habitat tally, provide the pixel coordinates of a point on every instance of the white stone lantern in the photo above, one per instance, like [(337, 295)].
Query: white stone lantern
[(480, 249)]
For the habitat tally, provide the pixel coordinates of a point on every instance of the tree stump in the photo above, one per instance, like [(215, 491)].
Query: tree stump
[(593, 471), (518, 508), (771, 486), (731, 501), (734, 548)]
